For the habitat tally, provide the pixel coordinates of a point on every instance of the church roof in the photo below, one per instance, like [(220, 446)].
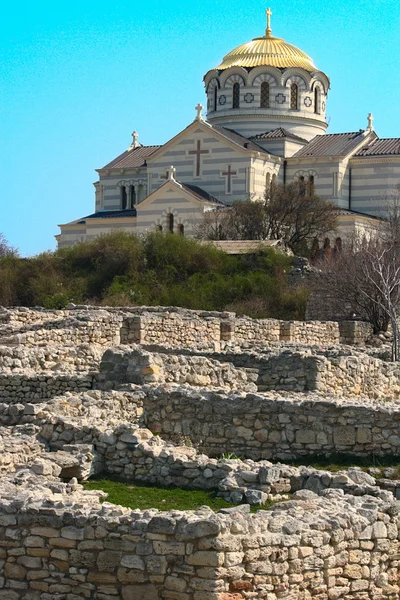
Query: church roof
[(267, 50), (110, 214), (278, 133), (132, 158), (332, 144), (383, 147), (201, 194), (239, 139)]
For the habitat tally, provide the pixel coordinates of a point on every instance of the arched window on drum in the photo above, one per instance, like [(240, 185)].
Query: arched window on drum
[(236, 95), (294, 96), (264, 95), (316, 101)]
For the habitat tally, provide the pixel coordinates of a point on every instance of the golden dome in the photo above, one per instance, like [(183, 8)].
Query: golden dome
[(267, 50)]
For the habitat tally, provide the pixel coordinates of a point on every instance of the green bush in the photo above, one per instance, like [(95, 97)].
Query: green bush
[(160, 269)]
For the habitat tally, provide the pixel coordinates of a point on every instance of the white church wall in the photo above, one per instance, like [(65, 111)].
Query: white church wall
[(330, 177), (218, 160), (154, 214), (373, 182), (262, 171), (111, 187)]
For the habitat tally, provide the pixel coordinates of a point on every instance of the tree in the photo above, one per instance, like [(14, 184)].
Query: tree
[(291, 213), (5, 248), (214, 225), (366, 275), (295, 214)]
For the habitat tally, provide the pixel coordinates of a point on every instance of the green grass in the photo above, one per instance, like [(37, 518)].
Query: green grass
[(338, 462), (144, 497)]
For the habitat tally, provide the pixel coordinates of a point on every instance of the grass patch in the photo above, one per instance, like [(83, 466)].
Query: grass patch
[(338, 462), (134, 495)]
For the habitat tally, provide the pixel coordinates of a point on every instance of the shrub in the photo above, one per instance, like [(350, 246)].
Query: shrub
[(161, 269)]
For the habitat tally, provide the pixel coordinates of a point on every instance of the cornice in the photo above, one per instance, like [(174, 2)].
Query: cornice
[(374, 159), (269, 117)]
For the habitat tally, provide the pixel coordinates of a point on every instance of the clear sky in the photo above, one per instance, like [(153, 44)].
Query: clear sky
[(77, 77)]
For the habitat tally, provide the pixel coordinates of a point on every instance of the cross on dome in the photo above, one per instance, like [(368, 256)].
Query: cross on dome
[(268, 31)]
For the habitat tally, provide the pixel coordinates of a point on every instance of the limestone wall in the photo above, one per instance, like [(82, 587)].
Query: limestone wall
[(172, 328), (49, 551), (16, 388), (41, 328), (129, 364), (272, 425), (80, 358), (167, 326), (335, 370), (219, 331)]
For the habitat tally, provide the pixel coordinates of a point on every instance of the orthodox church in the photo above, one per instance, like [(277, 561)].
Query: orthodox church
[(266, 121)]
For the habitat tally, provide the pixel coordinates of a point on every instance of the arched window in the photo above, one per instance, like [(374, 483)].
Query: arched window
[(181, 229), (132, 196), (264, 95), (311, 185), (327, 246), (273, 183), (170, 222), (316, 101), (215, 98), (268, 181), (338, 245), (294, 96), (236, 95), (124, 198)]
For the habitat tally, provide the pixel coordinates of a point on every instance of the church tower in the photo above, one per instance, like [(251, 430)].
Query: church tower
[(267, 84)]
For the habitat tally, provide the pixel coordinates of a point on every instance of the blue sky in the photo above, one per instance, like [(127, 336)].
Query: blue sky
[(77, 78)]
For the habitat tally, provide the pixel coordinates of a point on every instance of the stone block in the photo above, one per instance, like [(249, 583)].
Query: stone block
[(364, 435), (131, 561), (305, 436), (146, 591), (206, 559), (344, 435)]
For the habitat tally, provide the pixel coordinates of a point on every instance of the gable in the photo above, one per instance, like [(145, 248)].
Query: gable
[(171, 193), (184, 147)]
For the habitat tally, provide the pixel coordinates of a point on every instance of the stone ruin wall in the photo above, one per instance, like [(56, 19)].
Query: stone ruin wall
[(337, 539), (340, 543), (166, 326), (326, 371), (219, 331), (272, 426), (114, 552)]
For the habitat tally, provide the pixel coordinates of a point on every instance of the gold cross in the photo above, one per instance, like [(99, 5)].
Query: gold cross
[(268, 12)]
